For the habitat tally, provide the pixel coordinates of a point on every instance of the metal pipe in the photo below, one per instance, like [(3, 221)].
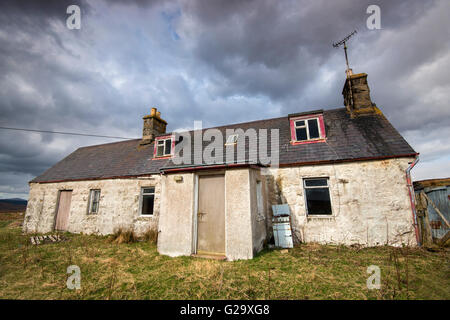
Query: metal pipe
[(411, 198)]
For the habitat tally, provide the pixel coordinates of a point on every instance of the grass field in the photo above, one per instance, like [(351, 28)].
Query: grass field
[(137, 271)]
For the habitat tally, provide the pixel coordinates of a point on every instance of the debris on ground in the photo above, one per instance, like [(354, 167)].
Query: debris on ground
[(35, 240)]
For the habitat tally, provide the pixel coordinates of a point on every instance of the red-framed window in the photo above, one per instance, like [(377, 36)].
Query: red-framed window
[(164, 147), (307, 129)]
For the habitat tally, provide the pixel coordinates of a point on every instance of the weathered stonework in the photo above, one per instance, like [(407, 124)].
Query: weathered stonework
[(118, 207), (370, 202), (153, 126), (357, 100), (370, 206)]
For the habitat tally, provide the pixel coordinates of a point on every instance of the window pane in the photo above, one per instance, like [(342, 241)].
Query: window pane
[(318, 201), (301, 134), (316, 182), (148, 190), (313, 129), (160, 150), (299, 123), (168, 146), (147, 204), (94, 207), (94, 199)]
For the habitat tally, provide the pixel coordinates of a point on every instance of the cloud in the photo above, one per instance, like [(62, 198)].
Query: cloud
[(216, 61)]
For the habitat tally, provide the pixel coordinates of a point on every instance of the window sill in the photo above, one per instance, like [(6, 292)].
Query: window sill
[(162, 157), (308, 141), (146, 216), (321, 217)]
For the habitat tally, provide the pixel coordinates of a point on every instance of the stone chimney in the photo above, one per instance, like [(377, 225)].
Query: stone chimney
[(356, 94), (153, 126)]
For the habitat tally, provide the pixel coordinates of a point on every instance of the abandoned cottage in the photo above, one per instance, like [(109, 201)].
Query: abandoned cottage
[(344, 173)]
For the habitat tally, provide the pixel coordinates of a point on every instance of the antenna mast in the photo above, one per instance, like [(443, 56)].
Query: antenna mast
[(344, 42)]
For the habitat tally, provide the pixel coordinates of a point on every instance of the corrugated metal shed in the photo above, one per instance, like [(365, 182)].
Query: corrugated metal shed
[(438, 193)]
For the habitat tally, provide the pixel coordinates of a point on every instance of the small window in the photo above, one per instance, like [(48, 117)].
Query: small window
[(317, 196), (147, 201), (163, 147), (307, 129), (232, 139), (94, 200)]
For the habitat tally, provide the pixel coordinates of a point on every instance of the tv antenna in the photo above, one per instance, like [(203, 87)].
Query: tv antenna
[(344, 42)]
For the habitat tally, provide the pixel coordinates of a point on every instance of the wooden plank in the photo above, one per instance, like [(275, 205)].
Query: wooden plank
[(437, 209), (444, 239), (425, 227), (62, 216)]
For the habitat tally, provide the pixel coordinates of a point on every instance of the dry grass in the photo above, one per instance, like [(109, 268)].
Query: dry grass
[(135, 270), (151, 235), (124, 235)]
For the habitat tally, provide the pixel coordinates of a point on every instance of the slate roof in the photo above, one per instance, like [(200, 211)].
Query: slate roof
[(366, 137)]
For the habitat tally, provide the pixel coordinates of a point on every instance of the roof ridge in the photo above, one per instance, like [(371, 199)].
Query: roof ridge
[(104, 144)]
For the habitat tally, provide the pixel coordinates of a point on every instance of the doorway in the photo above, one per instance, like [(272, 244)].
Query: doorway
[(62, 215), (211, 215)]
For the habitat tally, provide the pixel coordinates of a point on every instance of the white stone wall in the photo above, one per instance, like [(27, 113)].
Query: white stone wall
[(370, 202), (118, 207), (370, 205)]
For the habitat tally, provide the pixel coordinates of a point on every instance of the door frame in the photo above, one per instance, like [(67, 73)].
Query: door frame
[(58, 197), (196, 197)]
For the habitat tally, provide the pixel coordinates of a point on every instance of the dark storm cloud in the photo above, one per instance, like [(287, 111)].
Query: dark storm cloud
[(216, 61), (276, 47), (23, 13)]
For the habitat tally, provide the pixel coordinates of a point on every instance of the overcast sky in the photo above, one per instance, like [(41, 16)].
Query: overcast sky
[(217, 61)]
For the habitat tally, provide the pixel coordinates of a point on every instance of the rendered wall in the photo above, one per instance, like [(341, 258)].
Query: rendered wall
[(176, 224), (238, 217), (370, 202), (176, 218), (118, 207)]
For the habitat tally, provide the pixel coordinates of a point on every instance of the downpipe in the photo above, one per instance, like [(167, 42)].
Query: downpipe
[(412, 198)]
